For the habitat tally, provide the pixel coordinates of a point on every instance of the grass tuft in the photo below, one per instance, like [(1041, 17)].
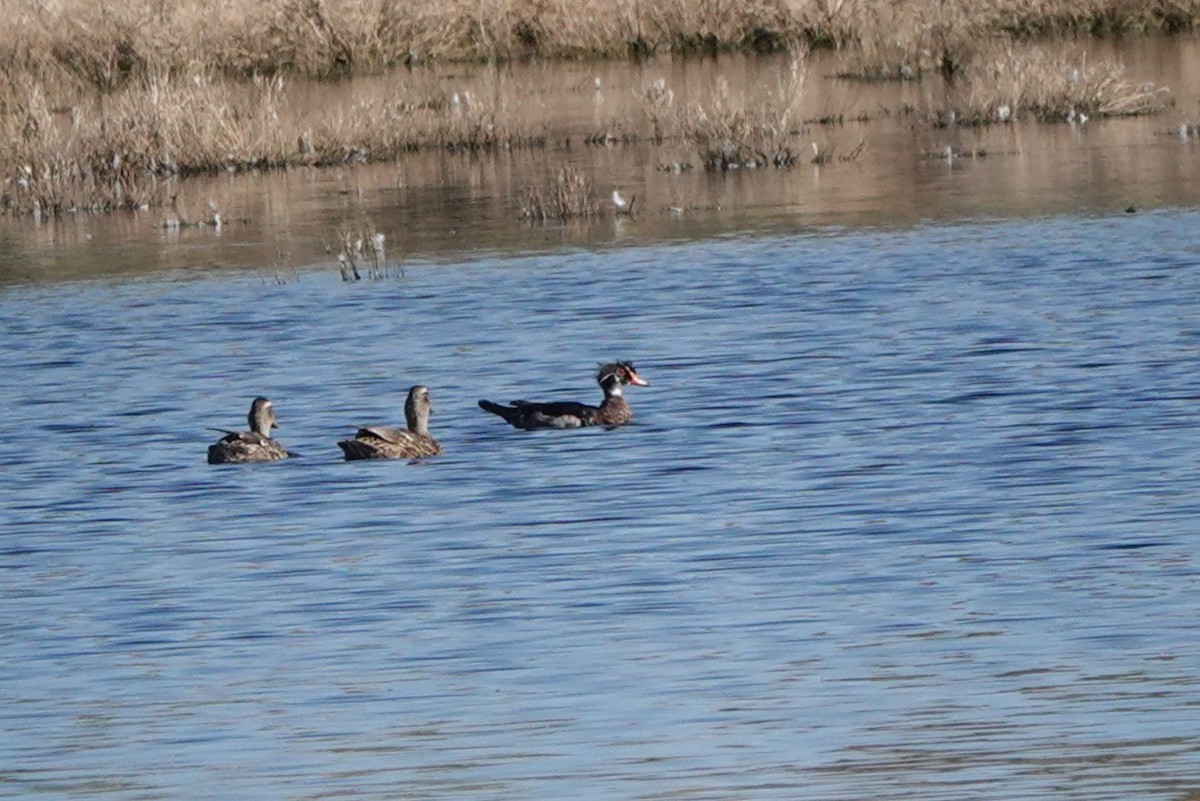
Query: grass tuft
[(658, 104), (362, 254), (733, 132), (1052, 87), (571, 195)]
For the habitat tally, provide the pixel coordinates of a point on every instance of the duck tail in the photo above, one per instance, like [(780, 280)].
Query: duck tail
[(503, 411), (356, 449)]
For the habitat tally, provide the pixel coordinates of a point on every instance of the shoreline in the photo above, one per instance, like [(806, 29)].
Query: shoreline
[(102, 47), (105, 110)]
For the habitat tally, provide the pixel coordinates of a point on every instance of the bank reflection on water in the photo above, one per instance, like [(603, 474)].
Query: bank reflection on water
[(434, 203)]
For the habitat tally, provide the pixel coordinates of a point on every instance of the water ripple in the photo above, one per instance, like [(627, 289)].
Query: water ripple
[(903, 514)]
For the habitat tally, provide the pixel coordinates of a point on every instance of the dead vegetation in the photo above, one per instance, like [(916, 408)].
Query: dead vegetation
[(1041, 18), (570, 195), (381, 128), (658, 105), (361, 254), (735, 132), (123, 149), (1054, 87), (108, 45), (127, 148), (1047, 86), (905, 41), (106, 106)]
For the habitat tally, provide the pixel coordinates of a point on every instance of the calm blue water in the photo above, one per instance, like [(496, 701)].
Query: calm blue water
[(904, 514)]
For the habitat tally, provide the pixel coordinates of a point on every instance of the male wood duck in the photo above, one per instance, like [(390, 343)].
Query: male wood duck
[(613, 411), (254, 445), (381, 442)]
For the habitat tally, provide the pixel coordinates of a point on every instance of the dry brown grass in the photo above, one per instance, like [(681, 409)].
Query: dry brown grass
[(124, 149), (732, 132), (105, 45), (657, 102), (904, 39), (121, 150), (382, 128), (1053, 86), (569, 195), (105, 105), (895, 40), (361, 253), (1028, 18)]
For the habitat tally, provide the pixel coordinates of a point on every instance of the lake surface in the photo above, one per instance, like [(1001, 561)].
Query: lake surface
[(909, 510), (904, 513)]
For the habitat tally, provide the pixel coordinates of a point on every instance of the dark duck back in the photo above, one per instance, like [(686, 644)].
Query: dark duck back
[(613, 410)]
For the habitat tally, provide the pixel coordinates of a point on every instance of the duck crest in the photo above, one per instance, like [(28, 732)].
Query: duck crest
[(613, 411)]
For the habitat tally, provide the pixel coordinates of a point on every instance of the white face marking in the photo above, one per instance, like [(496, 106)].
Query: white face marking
[(615, 391)]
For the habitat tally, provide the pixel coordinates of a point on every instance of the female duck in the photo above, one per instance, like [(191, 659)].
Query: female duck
[(381, 442), (254, 445), (613, 411)]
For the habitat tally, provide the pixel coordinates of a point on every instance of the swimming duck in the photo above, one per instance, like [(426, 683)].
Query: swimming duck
[(613, 411), (381, 442), (254, 445)]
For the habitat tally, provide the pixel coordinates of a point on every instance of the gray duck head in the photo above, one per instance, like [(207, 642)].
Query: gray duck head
[(262, 417), (417, 409)]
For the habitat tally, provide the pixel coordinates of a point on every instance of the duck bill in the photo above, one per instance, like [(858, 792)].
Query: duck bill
[(637, 380)]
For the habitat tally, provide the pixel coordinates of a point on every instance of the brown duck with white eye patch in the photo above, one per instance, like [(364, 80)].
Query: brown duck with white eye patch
[(382, 442), (613, 411), (254, 445)]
